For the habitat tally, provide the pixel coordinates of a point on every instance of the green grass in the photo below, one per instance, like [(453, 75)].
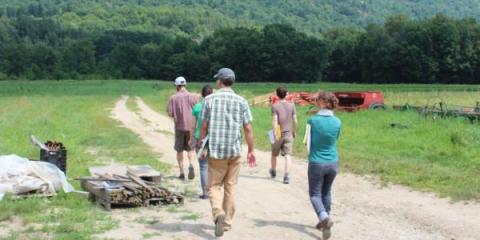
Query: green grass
[(150, 221), (150, 235), (460, 98), (176, 209), (191, 217), (441, 156)]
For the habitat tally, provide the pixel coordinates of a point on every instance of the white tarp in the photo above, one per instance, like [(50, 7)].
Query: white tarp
[(19, 175)]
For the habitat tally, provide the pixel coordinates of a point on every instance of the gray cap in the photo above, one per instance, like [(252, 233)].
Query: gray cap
[(225, 74)]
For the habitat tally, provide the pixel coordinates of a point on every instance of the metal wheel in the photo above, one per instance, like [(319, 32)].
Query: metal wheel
[(377, 106)]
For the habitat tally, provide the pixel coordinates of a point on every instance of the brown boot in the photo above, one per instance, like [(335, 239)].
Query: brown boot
[(321, 225), (219, 225), (327, 229)]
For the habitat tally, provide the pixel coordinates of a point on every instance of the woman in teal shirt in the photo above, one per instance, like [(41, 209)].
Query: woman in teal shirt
[(202, 159), (323, 158)]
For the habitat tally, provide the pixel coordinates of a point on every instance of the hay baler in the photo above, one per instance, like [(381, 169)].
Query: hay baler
[(354, 101), (348, 101)]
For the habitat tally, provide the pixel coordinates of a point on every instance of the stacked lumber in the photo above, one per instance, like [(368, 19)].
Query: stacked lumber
[(127, 190)]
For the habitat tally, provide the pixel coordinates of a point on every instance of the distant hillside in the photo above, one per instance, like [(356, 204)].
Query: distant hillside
[(415, 41), (201, 17)]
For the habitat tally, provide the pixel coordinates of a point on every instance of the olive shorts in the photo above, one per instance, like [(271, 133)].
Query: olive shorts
[(283, 146)]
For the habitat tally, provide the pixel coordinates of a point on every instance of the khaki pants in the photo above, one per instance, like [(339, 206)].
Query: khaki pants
[(223, 172)]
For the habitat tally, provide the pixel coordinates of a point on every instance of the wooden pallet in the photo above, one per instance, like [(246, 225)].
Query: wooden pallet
[(102, 196), (121, 193)]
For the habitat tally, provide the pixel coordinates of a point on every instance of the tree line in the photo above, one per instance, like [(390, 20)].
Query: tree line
[(435, 50)]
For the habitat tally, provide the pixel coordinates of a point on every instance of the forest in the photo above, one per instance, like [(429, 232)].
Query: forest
[(199, 18), (156, 39)]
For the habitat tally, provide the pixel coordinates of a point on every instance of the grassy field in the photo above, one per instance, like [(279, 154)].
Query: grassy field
[(78, 115), (440, 156)]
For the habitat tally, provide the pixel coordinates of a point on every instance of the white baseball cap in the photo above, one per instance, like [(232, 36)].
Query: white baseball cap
[(180, 81)]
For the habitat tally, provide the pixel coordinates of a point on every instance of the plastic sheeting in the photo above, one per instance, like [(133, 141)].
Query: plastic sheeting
[(19, 176)]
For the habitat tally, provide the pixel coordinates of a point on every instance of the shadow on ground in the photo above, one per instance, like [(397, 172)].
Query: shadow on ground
[(203, 231), (302, 228)]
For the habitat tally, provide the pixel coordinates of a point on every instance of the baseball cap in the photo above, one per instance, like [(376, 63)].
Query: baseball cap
[(225, 74), (180, 81)]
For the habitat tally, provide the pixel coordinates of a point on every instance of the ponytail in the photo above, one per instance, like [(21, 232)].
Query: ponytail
[(329, 98)]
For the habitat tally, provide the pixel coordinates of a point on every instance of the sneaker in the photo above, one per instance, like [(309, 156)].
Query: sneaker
[(327, 229), (219, 225), (321, 225), (182, 176), (191, 172), (273, 173), (286, 179), (203, 196)]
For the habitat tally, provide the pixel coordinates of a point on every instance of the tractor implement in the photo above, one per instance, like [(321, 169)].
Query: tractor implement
[(348, 101), (443, 110), (354, 101)]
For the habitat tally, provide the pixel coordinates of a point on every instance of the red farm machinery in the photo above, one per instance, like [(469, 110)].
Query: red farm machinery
[(349, 101)]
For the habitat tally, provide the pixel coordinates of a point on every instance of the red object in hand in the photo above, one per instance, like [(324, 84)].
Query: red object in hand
[(252, 161)]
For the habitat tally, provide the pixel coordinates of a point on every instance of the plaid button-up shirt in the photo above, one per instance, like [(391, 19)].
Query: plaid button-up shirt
[(226, 113)]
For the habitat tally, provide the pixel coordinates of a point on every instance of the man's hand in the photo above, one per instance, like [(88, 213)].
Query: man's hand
[(252, 161)]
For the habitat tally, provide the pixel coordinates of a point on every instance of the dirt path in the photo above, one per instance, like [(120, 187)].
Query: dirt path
[(268, 209)]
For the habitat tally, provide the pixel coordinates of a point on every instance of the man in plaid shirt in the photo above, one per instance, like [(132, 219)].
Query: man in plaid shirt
[(224, 114)]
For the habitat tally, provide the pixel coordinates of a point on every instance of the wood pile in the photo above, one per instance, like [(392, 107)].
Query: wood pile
[(54, 145), (127, 191)]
